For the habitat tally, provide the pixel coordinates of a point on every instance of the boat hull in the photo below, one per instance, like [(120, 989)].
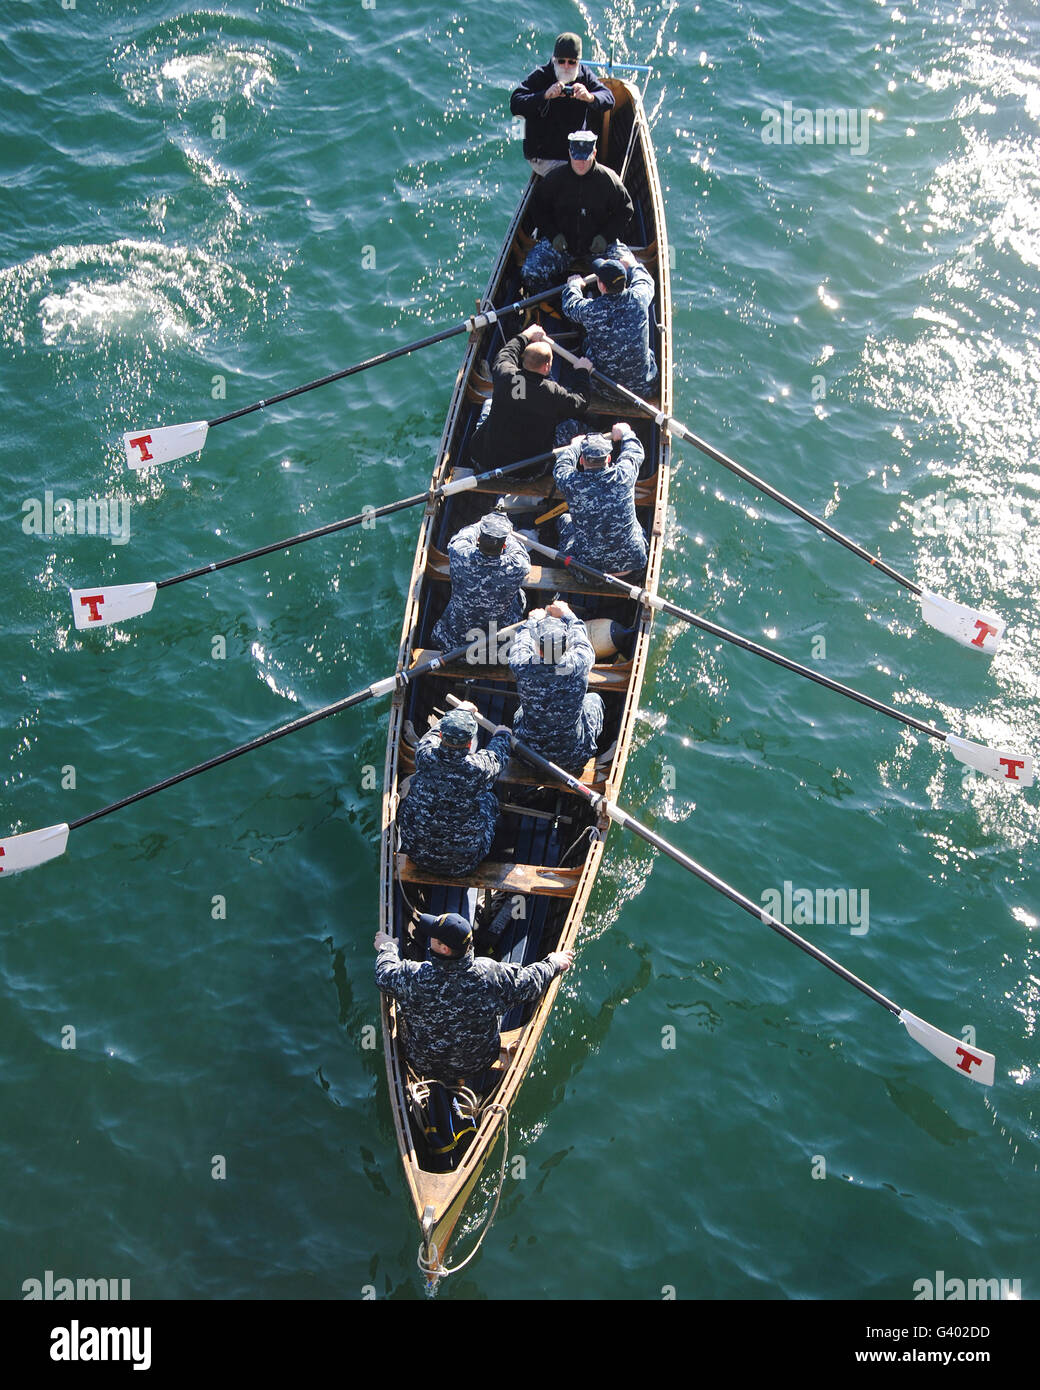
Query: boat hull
[(440, 1198)]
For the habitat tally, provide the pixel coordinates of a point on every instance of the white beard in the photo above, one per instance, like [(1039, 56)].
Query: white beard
[(562, 77)]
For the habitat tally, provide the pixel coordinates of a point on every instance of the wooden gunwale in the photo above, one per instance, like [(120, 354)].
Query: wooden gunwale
[(440, 1198)]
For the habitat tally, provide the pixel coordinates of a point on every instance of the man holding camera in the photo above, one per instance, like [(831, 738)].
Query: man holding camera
[(556, 99)]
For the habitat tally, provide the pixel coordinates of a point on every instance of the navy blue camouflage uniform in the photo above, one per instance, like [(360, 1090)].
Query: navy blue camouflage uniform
[(453, 1008), (551, 659), (601, 527), (617, 332), (447, 820), (484, 588)]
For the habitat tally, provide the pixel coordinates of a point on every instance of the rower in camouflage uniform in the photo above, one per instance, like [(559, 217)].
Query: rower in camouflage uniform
[(447, 820), (601, 528), (453, 1003), (551, 657), (488, 566), (617, 323)]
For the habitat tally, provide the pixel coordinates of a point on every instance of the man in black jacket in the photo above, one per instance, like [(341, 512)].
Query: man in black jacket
[(560, 97), (526, 404), (579, 211)]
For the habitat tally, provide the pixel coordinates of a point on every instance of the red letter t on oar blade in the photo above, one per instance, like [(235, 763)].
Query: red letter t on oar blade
[(981, 631), (146, 448), (1002, 764), (969, 1061), (111, 603)]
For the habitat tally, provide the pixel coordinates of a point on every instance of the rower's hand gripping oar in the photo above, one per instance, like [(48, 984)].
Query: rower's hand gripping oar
[(105, 604), (145, 448), (968, 1061), (35, 847), (1002, 764), (979, 629)]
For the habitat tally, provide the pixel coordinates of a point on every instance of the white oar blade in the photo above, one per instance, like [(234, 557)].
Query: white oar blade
[(1002, 764), (969, 1061), (146, 448), (111, 603), (20, 852), (969, 626)]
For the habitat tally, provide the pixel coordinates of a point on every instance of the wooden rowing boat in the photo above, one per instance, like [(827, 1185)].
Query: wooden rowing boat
[(549, 844)]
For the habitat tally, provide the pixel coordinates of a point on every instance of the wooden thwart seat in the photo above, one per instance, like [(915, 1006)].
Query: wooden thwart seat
[(515, 771), (536, 879), (479, 388), (602, 678), (538, 577), (622, 410), (646, 488)]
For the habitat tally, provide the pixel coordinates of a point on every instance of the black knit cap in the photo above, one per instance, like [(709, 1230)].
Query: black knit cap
[(568, 46)]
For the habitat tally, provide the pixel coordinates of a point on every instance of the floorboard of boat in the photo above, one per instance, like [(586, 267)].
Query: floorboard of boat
[(517, 773), (538, 577)]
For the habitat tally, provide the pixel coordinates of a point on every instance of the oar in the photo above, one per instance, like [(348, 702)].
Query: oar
[(35, 847), (147, 447), (979, 629), (999, 763), (115, 603), (969, 1061)]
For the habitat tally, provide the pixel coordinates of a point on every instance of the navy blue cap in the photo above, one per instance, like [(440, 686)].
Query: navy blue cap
[(581, 144), (495, 529), (457, 728), (595, 448), (450, 928), (550, 636), (611, 272)]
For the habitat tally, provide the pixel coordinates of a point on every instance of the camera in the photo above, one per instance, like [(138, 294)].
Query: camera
[(568, 89)]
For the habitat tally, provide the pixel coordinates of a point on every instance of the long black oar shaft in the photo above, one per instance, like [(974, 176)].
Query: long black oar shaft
[(971, 1062), (445, 490), (470, 325), (373, 691), (301, 723), (706, 625), (600, 803), (622, 818), (680, 431)]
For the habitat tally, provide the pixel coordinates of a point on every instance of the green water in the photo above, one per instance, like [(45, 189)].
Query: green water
[(193, 201)]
